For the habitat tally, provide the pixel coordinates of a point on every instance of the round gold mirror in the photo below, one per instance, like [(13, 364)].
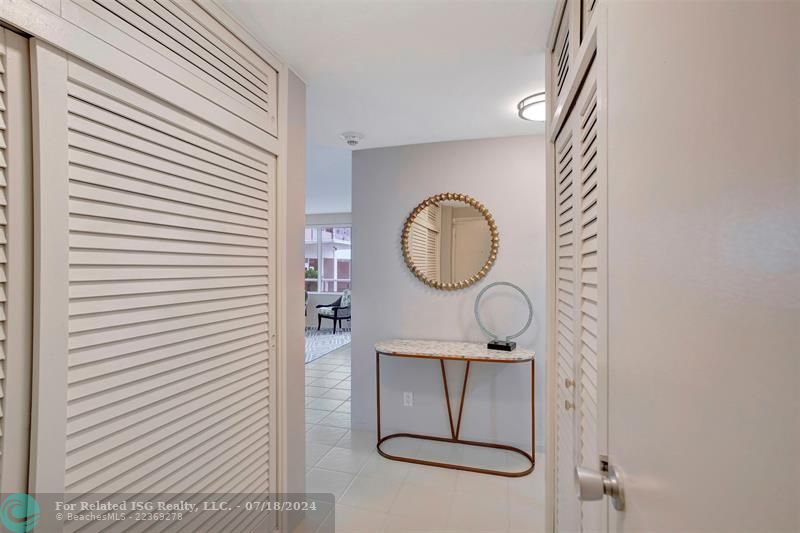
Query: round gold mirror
[(450, 241)]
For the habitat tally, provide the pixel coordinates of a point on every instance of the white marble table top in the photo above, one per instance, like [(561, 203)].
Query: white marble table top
[(473, 351)]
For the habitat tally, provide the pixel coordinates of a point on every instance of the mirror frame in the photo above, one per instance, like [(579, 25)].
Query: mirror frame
[(463, 284)]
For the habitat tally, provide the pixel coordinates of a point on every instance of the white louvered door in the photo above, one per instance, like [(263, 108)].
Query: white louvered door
[(424, 242), (156, 305), (16, 257), (567, 513), (580, 308), (590, 329)]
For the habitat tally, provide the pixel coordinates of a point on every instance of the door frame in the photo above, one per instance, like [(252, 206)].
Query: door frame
[(16, 382), (49, 22)]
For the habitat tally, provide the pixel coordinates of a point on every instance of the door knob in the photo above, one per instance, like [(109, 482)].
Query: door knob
[(593, 485)]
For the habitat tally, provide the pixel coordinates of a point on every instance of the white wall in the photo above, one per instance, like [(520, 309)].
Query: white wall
[(295, 340), (508, 176), (328, 180)]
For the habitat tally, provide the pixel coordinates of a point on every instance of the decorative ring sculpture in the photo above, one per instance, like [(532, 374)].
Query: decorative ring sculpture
[(478, 314)]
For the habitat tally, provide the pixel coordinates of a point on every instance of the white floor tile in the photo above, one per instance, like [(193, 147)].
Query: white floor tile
[(379, 466), (313, 520), (371, 493), (526, 515), (340, 420), (415, 524), (358, 440), (442, 479), (344, 460), (325, 404), (402, 446), (531, 486), (480, 457), (478, 512), (470, 482), (337, 394), (319, 480), (327, 382), (325, 435), (431, 506), (327, 367), (316, 392), (315, 415), (353, 520), (314, 452), (443, 452)]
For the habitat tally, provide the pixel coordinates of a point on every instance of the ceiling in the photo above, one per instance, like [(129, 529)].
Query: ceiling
[(407, 71)]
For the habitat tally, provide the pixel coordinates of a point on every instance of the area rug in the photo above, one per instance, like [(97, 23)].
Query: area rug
[(319, 343)]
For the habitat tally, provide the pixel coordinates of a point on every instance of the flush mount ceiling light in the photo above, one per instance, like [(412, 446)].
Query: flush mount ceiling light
[(532, 107), (352, 138)]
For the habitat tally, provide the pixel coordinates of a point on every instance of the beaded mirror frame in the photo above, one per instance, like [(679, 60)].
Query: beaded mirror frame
[(435, 200)]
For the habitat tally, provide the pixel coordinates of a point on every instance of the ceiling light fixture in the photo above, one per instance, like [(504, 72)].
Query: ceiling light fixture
[(532, 107), (352, 138)]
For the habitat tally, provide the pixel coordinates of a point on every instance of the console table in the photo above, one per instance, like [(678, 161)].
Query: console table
[(456, 351)]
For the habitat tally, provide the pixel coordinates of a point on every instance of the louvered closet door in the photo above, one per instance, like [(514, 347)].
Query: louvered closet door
[(567, 512), (591, 293), (165, 272), (16, 257), (580, 307), (425, 242)]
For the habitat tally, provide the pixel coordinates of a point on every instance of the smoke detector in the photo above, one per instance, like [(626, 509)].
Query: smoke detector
[(352, 138)]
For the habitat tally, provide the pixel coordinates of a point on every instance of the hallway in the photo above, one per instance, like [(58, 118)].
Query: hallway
[(374, 494)]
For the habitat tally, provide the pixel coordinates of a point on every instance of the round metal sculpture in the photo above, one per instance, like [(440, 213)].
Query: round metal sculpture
[(450, 241), (496, 343)]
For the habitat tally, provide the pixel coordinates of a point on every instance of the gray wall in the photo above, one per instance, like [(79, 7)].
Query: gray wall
[(508, 176)]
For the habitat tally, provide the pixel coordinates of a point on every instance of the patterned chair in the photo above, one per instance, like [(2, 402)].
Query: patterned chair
[(336, 311)]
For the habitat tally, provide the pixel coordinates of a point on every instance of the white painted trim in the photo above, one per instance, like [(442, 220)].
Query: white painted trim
[(550, 314), (18, 267), (281, 324), (51, 255)]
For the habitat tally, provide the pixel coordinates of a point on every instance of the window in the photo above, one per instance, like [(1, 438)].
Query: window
[(327, 252)]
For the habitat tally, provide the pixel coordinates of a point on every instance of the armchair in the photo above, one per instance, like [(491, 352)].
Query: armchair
[(336, 311)]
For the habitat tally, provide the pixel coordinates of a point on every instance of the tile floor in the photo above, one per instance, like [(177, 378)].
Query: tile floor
[(376, 495)]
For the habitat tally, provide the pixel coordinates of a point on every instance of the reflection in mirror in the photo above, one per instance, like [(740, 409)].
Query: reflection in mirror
[(450, 243)]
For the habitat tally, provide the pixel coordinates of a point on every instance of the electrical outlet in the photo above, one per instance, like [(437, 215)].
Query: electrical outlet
[(408, 399)]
